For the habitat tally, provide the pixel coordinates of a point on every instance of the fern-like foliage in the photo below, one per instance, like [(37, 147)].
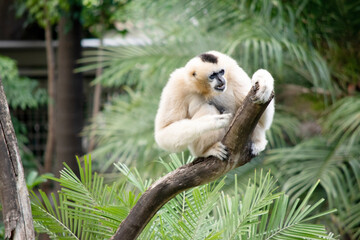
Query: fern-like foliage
[(342, 121), (283, 131), (347, 201), (332, 158), (263, 214), (86, 208), (116, 136), (50, 219)]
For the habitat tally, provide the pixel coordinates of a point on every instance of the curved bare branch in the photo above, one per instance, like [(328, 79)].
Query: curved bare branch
[(199, 172)]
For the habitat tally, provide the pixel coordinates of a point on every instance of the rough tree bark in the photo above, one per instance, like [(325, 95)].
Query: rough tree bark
[(14, 196), (199, 172)]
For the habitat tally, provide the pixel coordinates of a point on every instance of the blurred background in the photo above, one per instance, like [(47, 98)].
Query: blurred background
[(85, 77)]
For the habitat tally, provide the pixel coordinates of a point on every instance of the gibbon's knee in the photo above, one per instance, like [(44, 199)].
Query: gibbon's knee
[(169, 141), (268, 115), (258, 139)]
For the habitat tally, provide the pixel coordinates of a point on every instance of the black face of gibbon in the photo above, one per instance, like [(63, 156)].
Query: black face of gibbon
[(220, 80), (216, 79)]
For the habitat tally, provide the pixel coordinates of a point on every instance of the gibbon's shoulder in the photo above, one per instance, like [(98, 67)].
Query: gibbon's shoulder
[(177, 74), (176, 85), (177, 79)]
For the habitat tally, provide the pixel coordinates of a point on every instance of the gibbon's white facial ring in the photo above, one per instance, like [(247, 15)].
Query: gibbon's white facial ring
[(218, 81)]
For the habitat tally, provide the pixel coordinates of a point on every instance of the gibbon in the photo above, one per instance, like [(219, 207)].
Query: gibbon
[(199, 101)]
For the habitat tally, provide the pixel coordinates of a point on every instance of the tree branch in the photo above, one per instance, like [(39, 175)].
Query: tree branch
[(14, 196), (199, 172)]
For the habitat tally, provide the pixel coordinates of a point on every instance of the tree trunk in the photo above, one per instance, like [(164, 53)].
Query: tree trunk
[(97, 95), (50, 139), (14, 196), (50, 58), (69, 96), (199, 172)]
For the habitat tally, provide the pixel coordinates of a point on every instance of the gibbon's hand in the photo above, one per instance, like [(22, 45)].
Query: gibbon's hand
[(265, 84), (217, 121)]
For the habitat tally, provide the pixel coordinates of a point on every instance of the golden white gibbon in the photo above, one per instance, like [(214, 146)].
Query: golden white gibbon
[(199, 101)]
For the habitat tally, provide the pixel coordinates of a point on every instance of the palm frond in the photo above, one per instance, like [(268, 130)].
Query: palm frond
[(207, 213), (259, 34), (347, 200), (187, 216), (144, 66), (86, 207), (237, 217), (342, 121), (263, 214), (124, 131), (336, 164), (254, 47), (243, 175), (309, 161), (283, 131), (262, 48), (89, 209), (290, 222), (134, 177), (49, 219)]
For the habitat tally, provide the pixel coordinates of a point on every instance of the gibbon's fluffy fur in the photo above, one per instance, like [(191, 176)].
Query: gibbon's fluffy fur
[(200, 100)]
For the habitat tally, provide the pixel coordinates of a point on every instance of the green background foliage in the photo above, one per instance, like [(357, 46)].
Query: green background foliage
[(311, 52), (21, 92), (310, 47), (86, 208)]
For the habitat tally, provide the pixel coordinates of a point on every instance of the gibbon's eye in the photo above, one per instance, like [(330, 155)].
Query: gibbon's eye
[(221, 72), (212, 76)]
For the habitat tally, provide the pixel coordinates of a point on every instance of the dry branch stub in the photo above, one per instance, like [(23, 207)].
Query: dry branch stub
[(199, 172)]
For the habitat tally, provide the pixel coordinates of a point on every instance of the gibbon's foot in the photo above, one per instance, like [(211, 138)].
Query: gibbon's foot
[(264, 83), (218, 150), (258, 146)]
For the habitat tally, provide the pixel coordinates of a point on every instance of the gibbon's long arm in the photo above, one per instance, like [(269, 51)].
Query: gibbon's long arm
[(178, 135)]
